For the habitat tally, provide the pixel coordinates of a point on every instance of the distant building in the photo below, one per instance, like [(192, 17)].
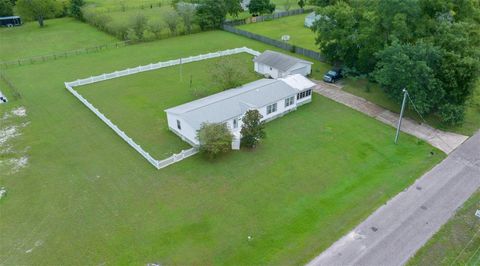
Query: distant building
[(310, 19), (11, 21), (245, 4), (271, 97), (279, 65)]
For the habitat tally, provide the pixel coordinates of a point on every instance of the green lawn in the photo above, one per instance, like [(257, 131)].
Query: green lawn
[(376, 95), (57, 36), (457, 242), (86, 197), (137, 103), (292, 25)]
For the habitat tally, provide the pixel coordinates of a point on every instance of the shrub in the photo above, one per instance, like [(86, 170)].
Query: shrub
[(214, 138), (132, 35), (138, 24), (253, 130), (148, 35), (451, 114), (156, 28), (226, 73)]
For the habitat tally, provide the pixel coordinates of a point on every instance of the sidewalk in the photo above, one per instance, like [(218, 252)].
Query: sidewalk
[(445, 141)]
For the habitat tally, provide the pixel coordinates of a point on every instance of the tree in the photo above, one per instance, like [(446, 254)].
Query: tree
[(253, 130), (211, 14), (412, 67), (234, 7), (139, 24), (187, 13), (76, 8), (226, 73), (6, 8), (171, 19), (436, 43), (38, 9), (287, 4), (301, 3), (258, 7), (214, 138)]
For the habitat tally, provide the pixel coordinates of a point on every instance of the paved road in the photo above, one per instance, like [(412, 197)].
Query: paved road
[(394, 232), (445, 141)]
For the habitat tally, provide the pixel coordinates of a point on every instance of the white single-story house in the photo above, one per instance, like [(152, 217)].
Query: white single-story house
[(271, 97), (310, 19), (277, 65)]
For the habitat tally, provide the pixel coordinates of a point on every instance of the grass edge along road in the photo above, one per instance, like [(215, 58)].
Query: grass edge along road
[(457, 242)]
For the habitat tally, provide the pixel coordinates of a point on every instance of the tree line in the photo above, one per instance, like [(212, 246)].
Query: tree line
[(429, 47)]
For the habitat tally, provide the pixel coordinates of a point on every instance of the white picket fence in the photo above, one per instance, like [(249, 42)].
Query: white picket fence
[(159, 164), (139, 69)]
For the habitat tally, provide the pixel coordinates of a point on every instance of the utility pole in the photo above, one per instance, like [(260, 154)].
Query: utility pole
[(181, 70), (405, 94)]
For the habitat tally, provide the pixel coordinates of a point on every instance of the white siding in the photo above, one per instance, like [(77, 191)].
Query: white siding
[(266, 70), (186, 132), (302, 69)]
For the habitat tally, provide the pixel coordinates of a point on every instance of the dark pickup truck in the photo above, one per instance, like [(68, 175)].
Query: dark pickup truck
[(333, 75)]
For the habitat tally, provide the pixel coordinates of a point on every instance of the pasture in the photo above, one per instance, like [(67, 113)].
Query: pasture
[(85, 197), (58, 35), (292, 25)]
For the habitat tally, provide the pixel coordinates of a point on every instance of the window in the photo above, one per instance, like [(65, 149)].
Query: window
[(289, 101), (304, 94), (272, 108), (235, 123), (179, 125)]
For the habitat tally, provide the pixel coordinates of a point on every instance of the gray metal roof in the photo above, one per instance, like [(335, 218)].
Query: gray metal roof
[(232, 103), (278, 60)]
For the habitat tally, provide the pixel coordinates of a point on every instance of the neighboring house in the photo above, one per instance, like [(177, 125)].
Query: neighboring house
[(245, 4), (277, 65), (271, 97), (310, 19)]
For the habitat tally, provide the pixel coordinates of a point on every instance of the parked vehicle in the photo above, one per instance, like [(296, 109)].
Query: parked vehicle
[(333, 75), (11, 21)]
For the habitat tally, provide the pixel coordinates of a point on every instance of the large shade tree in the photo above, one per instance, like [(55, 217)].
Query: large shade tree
[(258, 7), (434, 42), (6, 8), (211, 14), (38, 10)]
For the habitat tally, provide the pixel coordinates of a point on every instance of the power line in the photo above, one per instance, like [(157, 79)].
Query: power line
[(464, 248)]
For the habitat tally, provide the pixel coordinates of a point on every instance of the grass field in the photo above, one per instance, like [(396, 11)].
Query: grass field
[(58, 35), (292, 25), (86, 197), (457, 242), (137, 103)]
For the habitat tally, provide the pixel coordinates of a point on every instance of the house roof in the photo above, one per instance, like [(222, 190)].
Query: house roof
[(9, 17), (235, 102), (278, 60)]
